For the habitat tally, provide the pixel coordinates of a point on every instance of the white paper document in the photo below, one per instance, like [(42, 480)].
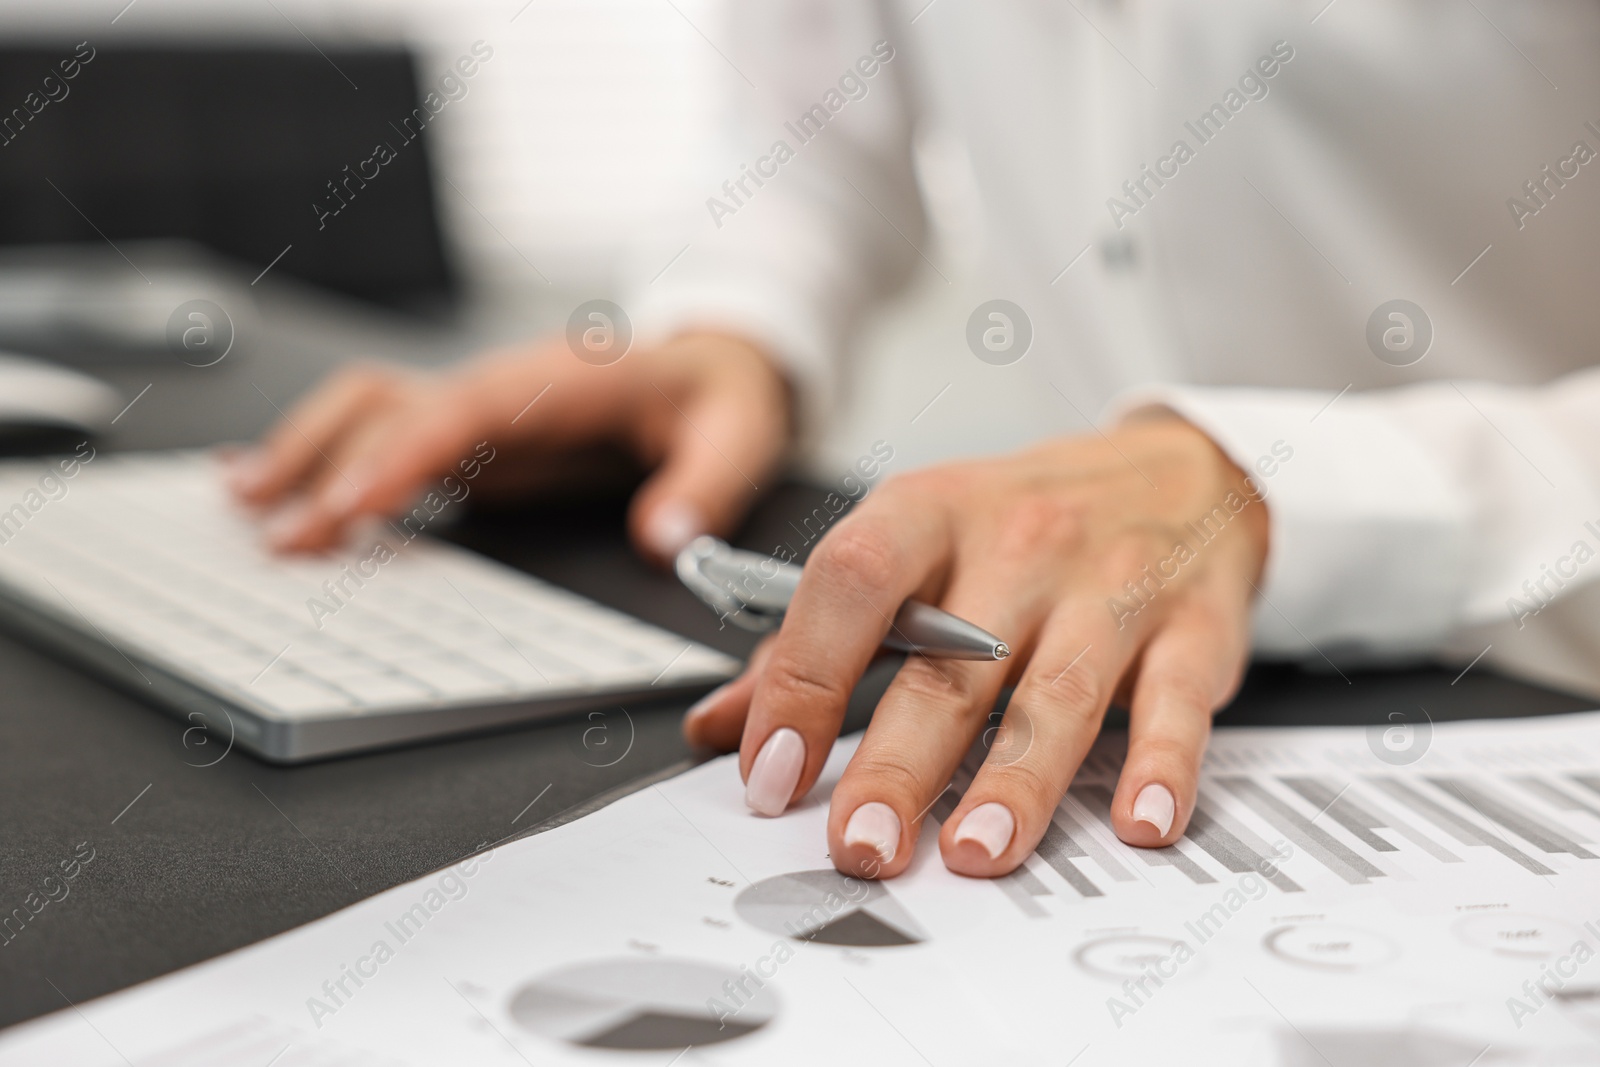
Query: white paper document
[(1343, 897)]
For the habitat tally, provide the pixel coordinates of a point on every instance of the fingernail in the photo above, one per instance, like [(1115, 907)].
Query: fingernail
[(343, 496), (701, 706), (1155, 805), (288, 524), (672, 525), (876, 826), (775, 773), (247, 471), (989, 826)]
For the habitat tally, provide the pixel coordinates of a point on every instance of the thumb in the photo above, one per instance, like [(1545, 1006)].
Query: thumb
[(720, 447), (716, 720)]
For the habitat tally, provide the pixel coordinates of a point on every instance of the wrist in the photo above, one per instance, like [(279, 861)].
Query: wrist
[(737, 363), (1171, 447)]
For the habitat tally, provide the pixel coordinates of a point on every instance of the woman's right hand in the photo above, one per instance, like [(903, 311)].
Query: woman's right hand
[(708, 413)]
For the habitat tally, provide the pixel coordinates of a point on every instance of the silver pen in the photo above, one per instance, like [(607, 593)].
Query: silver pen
[(753, 591)]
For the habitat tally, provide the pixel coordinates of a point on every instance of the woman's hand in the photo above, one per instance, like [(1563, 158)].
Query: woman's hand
[(1111, 564), (709, 412)]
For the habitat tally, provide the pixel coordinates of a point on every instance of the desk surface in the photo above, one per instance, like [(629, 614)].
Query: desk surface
[(193, 860)]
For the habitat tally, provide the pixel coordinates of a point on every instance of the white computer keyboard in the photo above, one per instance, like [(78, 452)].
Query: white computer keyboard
[(146, 554)]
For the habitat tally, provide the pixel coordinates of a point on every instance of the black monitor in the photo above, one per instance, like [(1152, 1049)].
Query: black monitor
[(247, 149)]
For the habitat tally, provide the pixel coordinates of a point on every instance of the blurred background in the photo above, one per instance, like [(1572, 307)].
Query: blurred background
[(573, 161), (576, 137)]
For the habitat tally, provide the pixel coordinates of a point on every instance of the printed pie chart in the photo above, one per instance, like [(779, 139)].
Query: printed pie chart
[(1122, 956), (829, 907), (639, 1004), (1510, 933), (1330, 946)]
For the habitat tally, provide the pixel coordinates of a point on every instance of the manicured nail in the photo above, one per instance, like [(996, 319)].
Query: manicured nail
[(1155, 805), (288, 525), (989, 826), (775, 773), (246, 472), (672, 525), (345, 494), (876, 826)]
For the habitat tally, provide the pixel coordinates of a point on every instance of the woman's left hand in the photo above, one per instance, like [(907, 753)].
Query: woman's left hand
[(1116, 563)]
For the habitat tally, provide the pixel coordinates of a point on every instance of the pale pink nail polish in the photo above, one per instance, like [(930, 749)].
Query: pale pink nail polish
[(1155, 805), (989, 826), (246, 472), (775, 773), (672, 525), (288, 524), (877, 826), (343, 496)]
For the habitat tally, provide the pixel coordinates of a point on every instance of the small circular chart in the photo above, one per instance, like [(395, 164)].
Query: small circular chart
[(829, 907), (1511, 933), (1122, 956), (1330, 947), (642, 1004)]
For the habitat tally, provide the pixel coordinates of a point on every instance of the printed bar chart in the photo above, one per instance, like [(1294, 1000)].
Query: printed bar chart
[(1091, 844), (1305, 834), (1344, 811), (1553, 795), (1058, 849), (1345, 826), (1508, 815), (1230, 847), (1457, 826)]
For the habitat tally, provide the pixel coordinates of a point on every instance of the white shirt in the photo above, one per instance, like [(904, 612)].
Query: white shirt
[(1384, 151)]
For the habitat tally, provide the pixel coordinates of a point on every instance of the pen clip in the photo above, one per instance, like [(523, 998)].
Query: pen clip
[(758, 614)]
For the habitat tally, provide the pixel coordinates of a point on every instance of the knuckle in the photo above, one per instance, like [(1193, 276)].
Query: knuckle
[(795, 684), (1136, 554), (1038, 523), (1030, 782), (1071, 691), (858, 553), (890, 774), (1167, 752), (931, 687)]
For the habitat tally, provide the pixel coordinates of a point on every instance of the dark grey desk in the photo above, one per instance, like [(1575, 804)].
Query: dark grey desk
[(193, 861)]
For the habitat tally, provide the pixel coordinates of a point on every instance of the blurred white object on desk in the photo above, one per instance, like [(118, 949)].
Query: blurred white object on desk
[(34, 394)]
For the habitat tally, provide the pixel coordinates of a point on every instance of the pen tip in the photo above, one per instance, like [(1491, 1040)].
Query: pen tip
[(1001, 650)]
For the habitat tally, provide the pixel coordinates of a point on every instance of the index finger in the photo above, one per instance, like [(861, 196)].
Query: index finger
[(855, 581), (296, 447)]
